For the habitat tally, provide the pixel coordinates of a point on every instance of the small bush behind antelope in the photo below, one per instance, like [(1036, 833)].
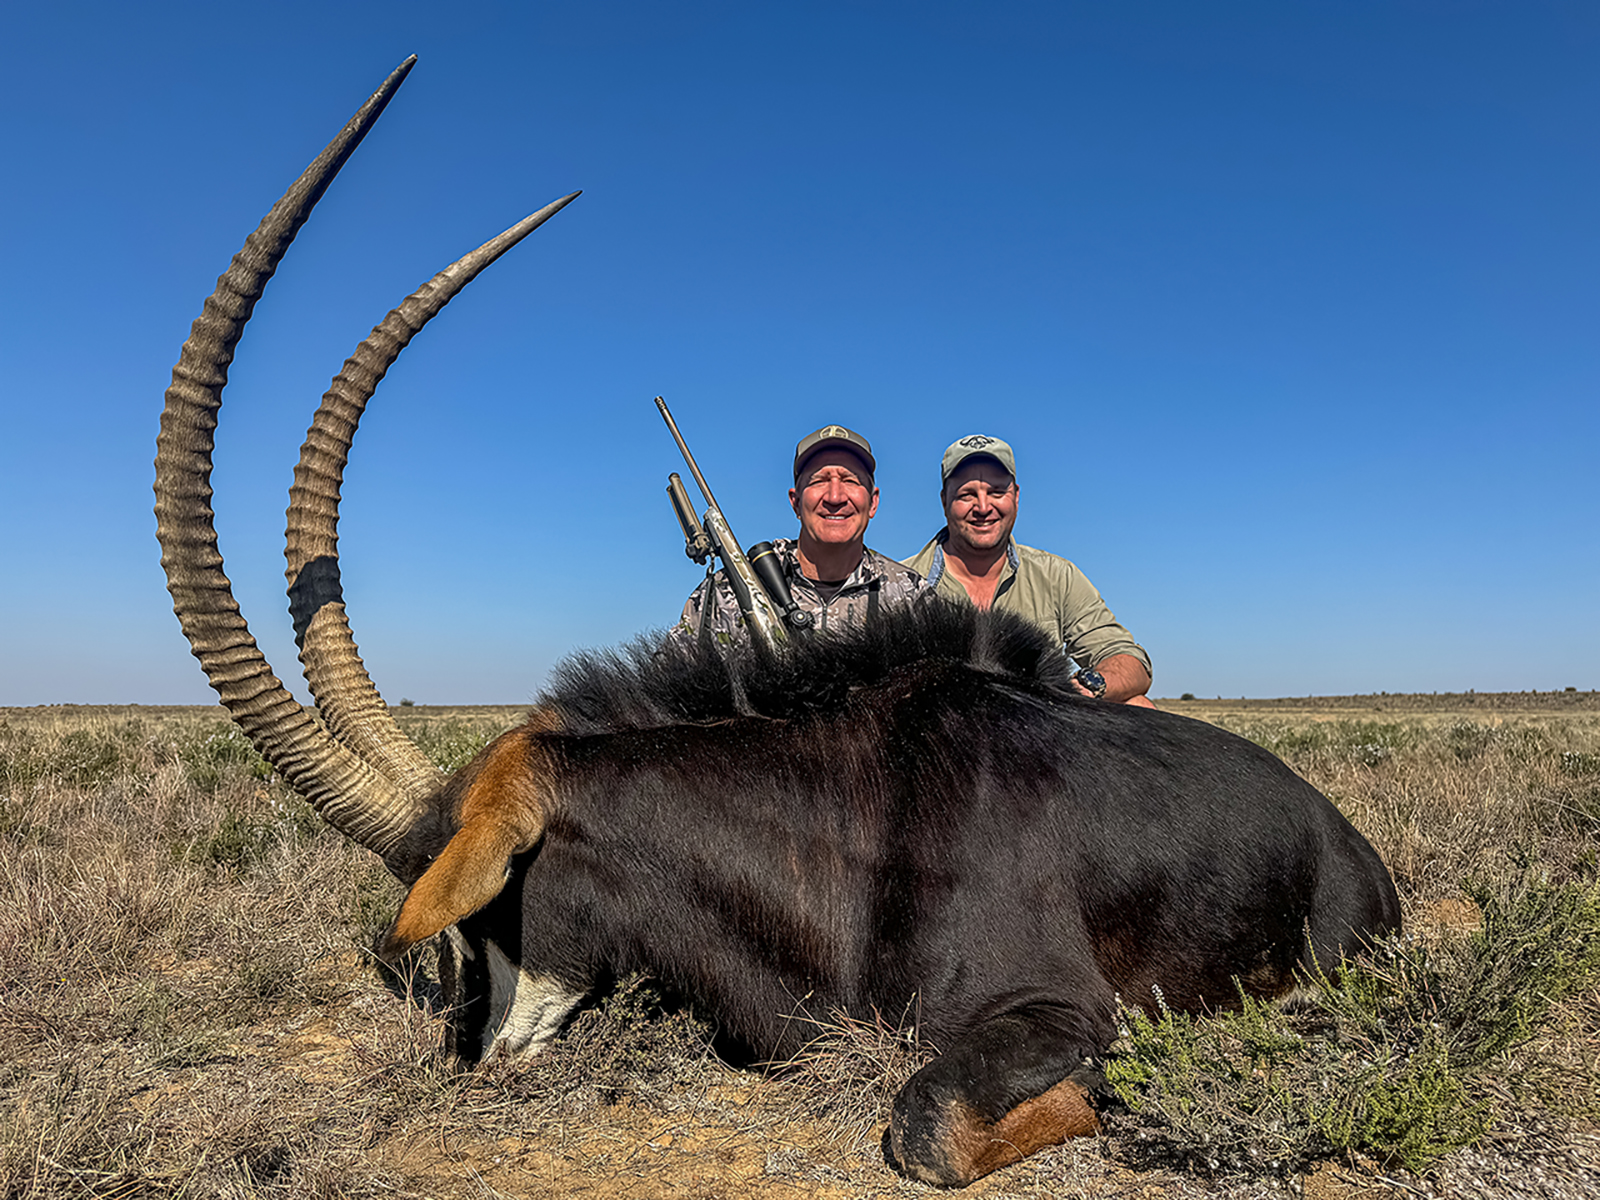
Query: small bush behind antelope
[(1397, 1059)]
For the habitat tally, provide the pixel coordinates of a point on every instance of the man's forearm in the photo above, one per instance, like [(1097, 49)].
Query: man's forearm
[(1125, 678)]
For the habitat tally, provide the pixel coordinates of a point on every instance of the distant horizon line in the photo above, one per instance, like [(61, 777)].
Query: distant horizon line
[(1181, 698)]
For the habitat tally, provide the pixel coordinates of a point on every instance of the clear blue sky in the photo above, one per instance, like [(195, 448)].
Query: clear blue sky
[(1292, 312)]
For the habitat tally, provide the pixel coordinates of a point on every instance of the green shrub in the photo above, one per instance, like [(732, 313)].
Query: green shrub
[(1388, 1058), (450, 743), (1539, 943), (1412, 1112), (1366, 743), (218, 752), (1214, 1094), (245, 839), (82, 758)]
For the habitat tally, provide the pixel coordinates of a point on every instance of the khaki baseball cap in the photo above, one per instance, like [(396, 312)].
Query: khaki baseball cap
[(833, 435), (978, 443)]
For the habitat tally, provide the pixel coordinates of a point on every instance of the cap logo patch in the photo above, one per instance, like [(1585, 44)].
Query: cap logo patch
[(834, 431), (977, 441)]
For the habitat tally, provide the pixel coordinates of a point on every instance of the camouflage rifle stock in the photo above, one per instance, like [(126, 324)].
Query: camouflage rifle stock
[(765, 614)]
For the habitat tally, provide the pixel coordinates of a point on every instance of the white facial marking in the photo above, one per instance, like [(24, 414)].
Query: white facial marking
[(524, 1010), (462, 947)]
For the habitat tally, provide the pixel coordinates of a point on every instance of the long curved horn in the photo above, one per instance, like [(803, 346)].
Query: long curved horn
[(346, 697), (351, 795), (375, 798)]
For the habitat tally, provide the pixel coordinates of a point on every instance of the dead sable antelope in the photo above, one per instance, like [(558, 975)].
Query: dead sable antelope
[(919, 813)]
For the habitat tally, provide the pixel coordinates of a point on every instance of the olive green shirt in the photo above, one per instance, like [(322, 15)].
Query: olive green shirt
[(1049, 591)]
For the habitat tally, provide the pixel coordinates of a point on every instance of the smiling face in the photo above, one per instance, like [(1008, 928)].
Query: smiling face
[(980, 505), (834, 498)]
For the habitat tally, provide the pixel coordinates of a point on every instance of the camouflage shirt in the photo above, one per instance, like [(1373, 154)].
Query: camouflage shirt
[(877, 581)]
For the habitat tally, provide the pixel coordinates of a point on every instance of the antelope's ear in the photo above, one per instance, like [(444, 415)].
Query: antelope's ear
[(470, 872), (503, 813)]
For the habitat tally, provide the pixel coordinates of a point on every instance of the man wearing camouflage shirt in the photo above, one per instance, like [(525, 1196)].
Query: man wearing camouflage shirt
[(831, 572), (975, 560)]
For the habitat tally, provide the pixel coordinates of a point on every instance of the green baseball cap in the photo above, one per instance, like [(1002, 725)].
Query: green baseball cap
[(974, 444), (829, 436)]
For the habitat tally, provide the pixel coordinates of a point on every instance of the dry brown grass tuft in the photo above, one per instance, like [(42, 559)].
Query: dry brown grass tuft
[(187, 1006), (850, 1072)]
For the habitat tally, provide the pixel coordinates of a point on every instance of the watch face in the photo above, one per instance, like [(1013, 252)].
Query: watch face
[(1093, 680)]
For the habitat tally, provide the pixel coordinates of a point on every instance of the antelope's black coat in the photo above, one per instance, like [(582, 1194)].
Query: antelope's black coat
[(921, 818)]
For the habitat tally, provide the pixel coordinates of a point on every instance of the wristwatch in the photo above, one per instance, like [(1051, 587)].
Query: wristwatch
[(1093, 680)]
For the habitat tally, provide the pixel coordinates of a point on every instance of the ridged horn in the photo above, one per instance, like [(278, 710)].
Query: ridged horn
[(372, 795), (348, 792), (346, 697)]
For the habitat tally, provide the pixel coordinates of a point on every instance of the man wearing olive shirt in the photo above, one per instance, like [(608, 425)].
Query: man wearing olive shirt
[(974, 559)]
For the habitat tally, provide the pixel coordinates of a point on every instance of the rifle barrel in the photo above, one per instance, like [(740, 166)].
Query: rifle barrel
[(683, 448)]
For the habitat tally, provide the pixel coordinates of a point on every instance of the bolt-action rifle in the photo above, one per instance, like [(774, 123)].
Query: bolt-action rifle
[(756, 578)]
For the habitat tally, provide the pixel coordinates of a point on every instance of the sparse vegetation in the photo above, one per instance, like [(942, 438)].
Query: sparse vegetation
[(1398, 1058), (450, 737), (187, 1006)]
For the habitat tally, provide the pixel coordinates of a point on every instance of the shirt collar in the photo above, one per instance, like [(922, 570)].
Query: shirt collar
[(943, 536), (789, 550)]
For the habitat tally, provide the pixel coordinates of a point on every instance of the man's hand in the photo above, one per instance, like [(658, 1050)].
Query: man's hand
[(1125, 676)]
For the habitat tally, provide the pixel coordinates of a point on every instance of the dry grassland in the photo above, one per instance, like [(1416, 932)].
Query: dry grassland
[(188, 1008)]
